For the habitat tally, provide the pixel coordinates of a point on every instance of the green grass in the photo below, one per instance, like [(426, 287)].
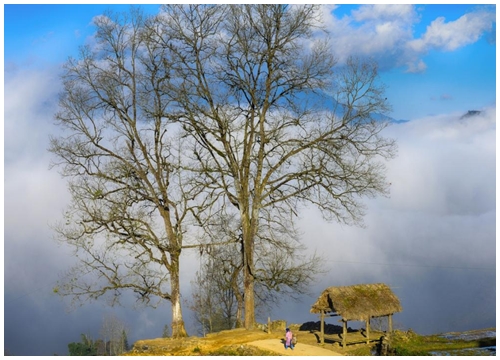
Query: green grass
[(422, 345), (360, 351)]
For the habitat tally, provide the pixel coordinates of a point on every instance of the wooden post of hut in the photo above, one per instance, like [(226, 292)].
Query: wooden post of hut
[(322, 327), (368, 329), (390, 323), (344, 332)]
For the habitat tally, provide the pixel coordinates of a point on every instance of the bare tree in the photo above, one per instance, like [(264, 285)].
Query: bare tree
[(113, 332), (220, 274), (129, 200), (273, 125), (267, 126), (282, 269), (213, 302)]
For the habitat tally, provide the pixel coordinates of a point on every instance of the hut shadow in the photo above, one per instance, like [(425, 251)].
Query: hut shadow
[(328, 340), (334, 333)]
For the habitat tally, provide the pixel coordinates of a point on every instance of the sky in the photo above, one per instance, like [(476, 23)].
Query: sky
[(432, 240)]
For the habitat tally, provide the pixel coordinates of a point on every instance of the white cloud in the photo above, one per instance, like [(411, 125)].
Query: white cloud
[(323, 15), (416, 67), (377, 12), (385, 33), (30, 100), (445, 165), (378, 31), (449, 36), (34, 196)]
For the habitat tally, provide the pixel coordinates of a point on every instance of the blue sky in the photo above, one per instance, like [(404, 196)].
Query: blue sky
[(459, 78), (50, 33), (433, 240)]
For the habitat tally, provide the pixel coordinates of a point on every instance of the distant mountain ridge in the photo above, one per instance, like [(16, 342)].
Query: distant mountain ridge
[(471, 113), (468, 114)]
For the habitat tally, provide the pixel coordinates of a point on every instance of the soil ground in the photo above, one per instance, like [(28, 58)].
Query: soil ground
[(276, 346)]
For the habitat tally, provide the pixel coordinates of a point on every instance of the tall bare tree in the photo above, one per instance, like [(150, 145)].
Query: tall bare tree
[(268, 126), (129, 200), (273, 125)]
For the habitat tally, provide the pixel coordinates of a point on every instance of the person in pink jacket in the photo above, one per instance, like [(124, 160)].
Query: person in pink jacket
[(288, 339)]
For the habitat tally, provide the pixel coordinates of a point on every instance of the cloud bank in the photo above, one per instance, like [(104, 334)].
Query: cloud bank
[(433, 239)]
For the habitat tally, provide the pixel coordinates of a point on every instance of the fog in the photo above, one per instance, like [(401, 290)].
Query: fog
[(432, 241)]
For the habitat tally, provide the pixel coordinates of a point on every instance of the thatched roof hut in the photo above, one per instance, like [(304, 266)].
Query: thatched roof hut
[(357, 302)]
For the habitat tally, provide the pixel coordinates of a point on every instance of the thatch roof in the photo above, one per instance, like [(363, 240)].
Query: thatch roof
[(358, 302)]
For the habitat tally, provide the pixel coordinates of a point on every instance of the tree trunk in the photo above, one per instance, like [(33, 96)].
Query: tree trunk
[(178, 329), (248, 279), (249, 300), (239, 309)]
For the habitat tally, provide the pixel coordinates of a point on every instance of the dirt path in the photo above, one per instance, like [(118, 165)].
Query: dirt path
[(276, 346)]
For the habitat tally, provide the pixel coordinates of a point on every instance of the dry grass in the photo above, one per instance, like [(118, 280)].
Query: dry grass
[(228, 341)]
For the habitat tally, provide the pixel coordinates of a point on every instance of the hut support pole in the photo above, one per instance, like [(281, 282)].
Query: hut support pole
[(390, 323), (368, 330), (322, 326), (344, 332)]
